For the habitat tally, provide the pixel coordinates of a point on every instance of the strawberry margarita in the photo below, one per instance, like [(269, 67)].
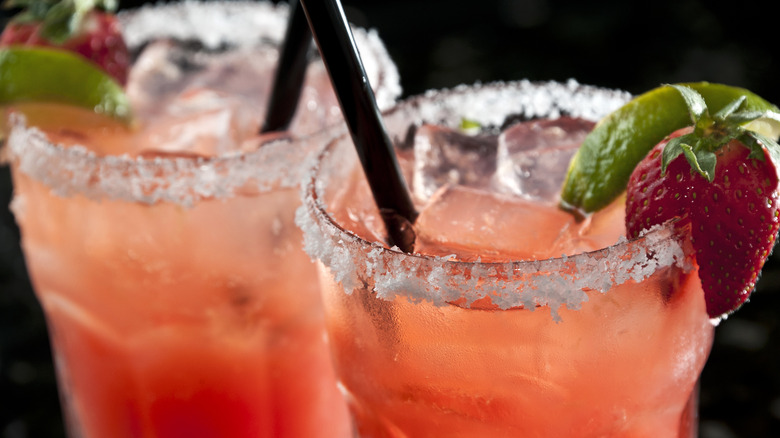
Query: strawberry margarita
[(164, 254), (511, 318)]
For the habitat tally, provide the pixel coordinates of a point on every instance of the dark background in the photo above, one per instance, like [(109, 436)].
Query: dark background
[(619, 44)]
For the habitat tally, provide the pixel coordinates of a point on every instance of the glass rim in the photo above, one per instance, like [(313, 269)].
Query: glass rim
[(74, 169), (630, 259)]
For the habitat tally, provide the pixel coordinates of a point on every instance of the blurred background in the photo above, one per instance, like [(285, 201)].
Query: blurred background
[(633, 46)]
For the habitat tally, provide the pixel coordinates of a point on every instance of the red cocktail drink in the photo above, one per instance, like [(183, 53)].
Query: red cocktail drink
[(512, 318), (164, 254)]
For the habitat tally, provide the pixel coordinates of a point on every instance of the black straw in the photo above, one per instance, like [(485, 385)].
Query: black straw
[(340, 54), (290, 72)]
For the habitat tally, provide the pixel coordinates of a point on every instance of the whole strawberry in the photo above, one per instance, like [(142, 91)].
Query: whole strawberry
[(86, 27), (720, 182)]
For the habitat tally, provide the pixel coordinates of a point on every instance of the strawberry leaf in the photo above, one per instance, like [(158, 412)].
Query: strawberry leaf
[(61, 18), (701, 160), (754, 145), (711, 134), (60, 23), (25, 17), (730, 108), (771, 145), (695, 103), (673, 149), (743, 117), (35, 5), (32, 10)]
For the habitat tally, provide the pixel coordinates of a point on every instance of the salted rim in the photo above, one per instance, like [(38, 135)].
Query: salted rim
[(72, 170), (244, 23), (183, 180), (441, 281)]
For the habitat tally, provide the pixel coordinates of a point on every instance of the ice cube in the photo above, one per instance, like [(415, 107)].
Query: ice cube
[(202, 121), (165, 69), (448, 156), (533, 156), (162, 71), (473, 223)]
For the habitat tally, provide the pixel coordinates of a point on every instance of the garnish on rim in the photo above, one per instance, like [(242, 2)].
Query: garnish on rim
[(720, 180), (69, 51), (86, 27), (600, 169), (48, 75)]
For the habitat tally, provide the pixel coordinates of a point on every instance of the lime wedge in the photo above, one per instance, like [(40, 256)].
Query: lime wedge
[(600, 169), (49, 75)]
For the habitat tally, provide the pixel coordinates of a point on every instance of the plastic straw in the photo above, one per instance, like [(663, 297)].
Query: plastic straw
[(290, 72), (340, 54)]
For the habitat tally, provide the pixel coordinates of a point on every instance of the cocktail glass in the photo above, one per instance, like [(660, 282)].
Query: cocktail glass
[(177, 295), (493, 332)]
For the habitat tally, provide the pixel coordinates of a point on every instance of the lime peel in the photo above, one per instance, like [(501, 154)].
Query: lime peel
[(600, 169), (49, 75)]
